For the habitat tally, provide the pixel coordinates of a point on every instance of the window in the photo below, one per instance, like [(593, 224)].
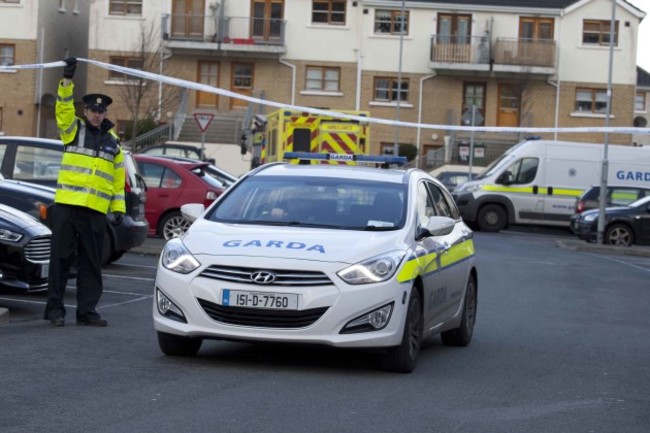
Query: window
[(328, 12), (597, 32), (535, 28), (322, 78), (591, 101), (125, 7), (639, 101), (474, 95), (521, 172), (388, 89), (128, 62), (391, 22), (36, 163), (454, 29), (10, 1), (7, 54)]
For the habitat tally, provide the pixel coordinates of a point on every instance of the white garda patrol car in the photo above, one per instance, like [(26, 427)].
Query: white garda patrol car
[(339, 255)]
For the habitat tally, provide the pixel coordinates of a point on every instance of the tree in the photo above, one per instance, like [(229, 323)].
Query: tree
[(143, 99)]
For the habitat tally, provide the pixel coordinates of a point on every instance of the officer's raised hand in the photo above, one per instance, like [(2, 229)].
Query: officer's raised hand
[(69, 68)]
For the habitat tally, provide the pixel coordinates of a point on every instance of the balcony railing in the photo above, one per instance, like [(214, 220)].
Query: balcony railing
[(460, 49), (524, 52), (225, 30)]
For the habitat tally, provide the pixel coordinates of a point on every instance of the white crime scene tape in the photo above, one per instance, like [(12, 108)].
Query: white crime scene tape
[(216, 90)]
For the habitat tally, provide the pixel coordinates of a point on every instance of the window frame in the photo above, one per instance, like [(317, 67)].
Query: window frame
[(640, 101), (593, 100), (128, 62), (393, 23), (602, 32), (323, 78), (391, 89), (330, 13), (13, 54), (125, 7)]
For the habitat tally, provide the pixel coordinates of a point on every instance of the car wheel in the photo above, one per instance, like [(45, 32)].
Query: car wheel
[(173, 226), (404, 358), (491, 218), (462, 335), (175, 345), (619, 235)]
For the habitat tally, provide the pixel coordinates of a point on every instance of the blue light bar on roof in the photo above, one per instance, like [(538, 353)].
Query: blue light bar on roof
[(374, 159)]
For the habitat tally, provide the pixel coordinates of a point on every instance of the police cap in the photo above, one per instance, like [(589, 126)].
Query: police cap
[(97, 101)]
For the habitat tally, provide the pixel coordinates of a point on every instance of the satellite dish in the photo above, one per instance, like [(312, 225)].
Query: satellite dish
[(640, 122)]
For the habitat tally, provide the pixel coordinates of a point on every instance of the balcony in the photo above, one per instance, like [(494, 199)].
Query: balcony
[(188, 33), (535, 56), (469, 53)]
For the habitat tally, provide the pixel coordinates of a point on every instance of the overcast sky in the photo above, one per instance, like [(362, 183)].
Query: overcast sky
[(643, 53)]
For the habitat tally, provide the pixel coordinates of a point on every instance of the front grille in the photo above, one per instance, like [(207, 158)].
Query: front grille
[(262, 318), (283, 277), (38, 249)]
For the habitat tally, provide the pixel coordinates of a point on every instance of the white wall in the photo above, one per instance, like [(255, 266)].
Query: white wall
[(18, 21), (588, 63)]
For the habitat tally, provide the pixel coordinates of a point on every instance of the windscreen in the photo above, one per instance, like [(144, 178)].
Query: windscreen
[(314, 202)]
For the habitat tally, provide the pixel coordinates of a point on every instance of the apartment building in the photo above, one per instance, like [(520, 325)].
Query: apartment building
[(532, 63), (642, 107), (37, 32)]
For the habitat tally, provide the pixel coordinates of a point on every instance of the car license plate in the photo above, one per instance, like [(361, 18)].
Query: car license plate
[(45, 270), (276, 301)]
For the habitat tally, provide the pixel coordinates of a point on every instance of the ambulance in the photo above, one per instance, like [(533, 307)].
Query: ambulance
[(539, 181), (296, 131)]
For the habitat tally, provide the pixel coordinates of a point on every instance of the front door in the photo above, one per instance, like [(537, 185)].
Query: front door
[(242, 83), (509, 104), (187, 19), (267, 19), (208, 73)]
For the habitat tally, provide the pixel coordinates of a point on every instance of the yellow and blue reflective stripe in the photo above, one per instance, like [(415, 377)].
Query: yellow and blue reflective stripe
[(433, 261)]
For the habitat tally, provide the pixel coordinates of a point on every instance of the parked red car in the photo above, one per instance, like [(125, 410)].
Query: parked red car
[(171, 184)]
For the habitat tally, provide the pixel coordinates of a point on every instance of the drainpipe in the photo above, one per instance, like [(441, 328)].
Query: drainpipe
[(417, 140), (293, 79), (357, 102), (557, 76), (39, 93)]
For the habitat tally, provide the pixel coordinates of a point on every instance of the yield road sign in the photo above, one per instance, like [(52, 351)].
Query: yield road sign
[(203, 120)]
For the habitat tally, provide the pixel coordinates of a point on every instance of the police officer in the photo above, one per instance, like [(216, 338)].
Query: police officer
[(91, 183)]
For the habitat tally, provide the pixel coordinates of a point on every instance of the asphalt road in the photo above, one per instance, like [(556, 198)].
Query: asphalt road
[(561, 345)]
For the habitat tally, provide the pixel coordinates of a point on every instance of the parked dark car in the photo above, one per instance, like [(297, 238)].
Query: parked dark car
[(171, 184), (616, 196), (36, 200), (37, 160), (624, 225), (24, 251), (178, 150)]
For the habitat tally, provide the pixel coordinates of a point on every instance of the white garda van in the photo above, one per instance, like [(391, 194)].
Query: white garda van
[(538, 182)]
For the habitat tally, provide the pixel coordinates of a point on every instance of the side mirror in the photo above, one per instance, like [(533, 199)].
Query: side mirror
[(192, 211), (437, 226), (505, 178)]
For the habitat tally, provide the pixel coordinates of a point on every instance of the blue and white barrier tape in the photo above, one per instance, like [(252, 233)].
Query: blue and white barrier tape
[(209, 89)]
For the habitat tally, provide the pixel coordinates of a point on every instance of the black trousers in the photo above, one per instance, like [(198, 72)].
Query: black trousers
[(77, 234)]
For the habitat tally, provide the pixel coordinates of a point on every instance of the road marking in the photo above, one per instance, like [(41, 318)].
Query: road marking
[(129, 278), (143, 298), (134, 266), (622, 262)]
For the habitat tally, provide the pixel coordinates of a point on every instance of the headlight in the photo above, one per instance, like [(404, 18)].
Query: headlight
[(8, 235), (373, 270), (176, 257), (589, 217)]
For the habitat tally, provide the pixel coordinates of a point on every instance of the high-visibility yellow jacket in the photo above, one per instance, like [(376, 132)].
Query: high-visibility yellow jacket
[(92, 166)]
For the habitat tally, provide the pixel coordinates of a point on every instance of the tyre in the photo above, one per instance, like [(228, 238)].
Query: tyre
[(619, 235), (404, 358), (491, 218), (462, 335), (173, 225), (175, 345)]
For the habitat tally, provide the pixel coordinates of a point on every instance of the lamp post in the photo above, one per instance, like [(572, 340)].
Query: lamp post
[(605, 165), (399, 80)]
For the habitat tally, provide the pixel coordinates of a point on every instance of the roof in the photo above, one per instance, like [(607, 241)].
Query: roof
[(642, 77), (549, 4)]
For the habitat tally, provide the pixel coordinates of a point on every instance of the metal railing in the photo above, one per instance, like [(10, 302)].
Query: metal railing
[(460, 49), (225, 30), (524, 52)]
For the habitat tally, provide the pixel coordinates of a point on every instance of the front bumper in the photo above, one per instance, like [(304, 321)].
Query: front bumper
[(341, 302)]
